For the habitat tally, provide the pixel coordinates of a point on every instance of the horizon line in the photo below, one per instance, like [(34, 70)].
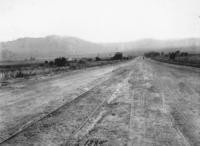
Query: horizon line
[(101, 42)]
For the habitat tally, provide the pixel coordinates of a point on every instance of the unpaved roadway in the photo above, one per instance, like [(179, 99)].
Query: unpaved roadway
[(139, 103)]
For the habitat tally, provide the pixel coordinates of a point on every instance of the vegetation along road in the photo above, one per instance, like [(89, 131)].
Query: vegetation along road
[(138, 103)]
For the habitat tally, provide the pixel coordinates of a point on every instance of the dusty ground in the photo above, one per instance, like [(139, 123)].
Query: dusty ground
[(25, 101), (140, 103)]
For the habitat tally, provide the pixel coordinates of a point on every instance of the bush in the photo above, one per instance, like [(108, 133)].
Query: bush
[(62, 61), (184, 54), (51, 63), (82, 61), (89, 59), (19, 74), (73, 67), (152, 54), (172, 55), (117, 56), (98, 58)]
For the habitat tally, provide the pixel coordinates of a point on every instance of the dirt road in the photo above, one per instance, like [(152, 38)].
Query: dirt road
[(140, 103)]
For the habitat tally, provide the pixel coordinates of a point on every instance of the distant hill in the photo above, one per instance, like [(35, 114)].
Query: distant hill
[(48, 47), (191, 45), (54, 46)]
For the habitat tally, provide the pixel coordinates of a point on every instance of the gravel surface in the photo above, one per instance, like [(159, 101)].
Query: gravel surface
[(140, 103)]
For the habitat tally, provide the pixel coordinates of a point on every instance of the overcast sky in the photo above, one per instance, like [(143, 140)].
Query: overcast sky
[(100, 20)]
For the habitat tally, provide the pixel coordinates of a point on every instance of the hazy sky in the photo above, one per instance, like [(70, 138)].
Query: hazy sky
[(100, 20)]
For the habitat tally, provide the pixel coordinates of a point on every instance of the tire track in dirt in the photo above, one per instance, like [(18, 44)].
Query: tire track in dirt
[(136, 120), (182, 139), (131, 121), (150, 121), (185, 139), (180, 84), (30, 123), (168, 110), (89, 117), (175, 113), (138, 102), (83, 91), (80, 135), (17, 129), (15, 117), (96, 131), (109, 85)]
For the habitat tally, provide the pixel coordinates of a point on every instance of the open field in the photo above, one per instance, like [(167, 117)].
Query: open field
[(20, 69), (137, 103)]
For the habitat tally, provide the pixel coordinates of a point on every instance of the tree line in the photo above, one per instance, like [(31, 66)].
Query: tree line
[(63, 61), (170, 55)]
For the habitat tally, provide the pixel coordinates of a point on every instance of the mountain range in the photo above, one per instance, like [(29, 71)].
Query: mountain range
[(55, 46)]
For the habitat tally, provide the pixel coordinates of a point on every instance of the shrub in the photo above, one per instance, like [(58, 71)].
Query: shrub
[(62, 61), (19, 74), (51, 63), (98, 58), (172, 55), (82, 61), (117, 56), (152, 54)]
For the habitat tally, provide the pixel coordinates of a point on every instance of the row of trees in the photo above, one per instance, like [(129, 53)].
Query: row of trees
[(170, 55), (173, 55), (62, 61), (152, 54)]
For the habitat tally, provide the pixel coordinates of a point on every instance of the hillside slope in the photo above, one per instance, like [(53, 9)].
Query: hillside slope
[(54, 46), (48, 47)]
